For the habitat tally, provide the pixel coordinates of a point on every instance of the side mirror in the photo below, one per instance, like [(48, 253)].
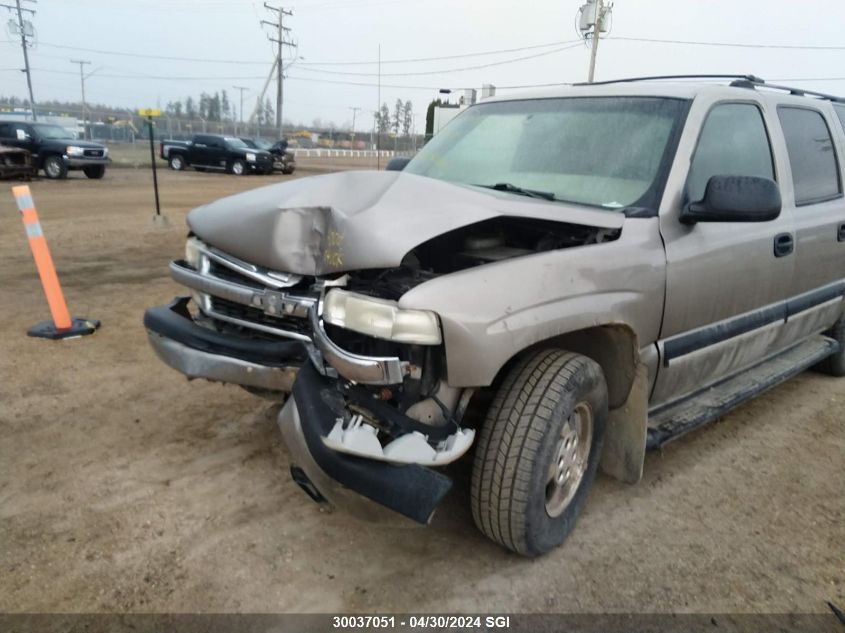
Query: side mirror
[(397, 164), (735, 199)]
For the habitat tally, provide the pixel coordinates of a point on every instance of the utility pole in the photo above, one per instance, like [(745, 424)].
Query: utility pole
[(598, 19), (354, 112), (82, 63), (281, 42), (23, 26), (241, 115)]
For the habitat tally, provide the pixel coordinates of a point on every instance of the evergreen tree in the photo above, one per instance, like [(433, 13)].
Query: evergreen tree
[(407, 118)]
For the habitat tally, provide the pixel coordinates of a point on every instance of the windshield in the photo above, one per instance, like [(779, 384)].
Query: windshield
[(53, 131), (262, 144), (600, 151), (249, 142), (235, 143)]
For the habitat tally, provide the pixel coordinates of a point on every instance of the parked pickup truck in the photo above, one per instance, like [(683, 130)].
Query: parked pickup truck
[(561, 281), (213, 152), (54, 149), (283, 160)]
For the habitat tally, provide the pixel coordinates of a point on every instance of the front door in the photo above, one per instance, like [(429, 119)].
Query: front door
[(724, 279)]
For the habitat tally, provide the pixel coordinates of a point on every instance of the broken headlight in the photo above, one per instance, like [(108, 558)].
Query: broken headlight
[(380, 318), (192, 252)]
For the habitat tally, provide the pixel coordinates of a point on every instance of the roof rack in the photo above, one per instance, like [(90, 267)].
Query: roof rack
[(739, 81)]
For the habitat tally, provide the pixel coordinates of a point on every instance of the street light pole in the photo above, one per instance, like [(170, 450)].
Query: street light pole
[(241, 116), (354, 112), (82, 63)]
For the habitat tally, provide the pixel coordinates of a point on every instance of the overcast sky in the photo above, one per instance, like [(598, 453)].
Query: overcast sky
[(333, 31)]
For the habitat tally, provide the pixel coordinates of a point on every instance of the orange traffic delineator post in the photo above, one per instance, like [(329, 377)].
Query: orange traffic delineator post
[(62, 325)]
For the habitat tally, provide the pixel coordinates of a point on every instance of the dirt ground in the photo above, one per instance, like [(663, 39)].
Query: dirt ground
[(125, 488)]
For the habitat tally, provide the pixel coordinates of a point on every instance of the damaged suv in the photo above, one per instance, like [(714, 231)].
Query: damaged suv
[(557, 281)]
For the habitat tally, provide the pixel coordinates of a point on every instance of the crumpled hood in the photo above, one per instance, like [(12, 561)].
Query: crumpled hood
[(355, 220)]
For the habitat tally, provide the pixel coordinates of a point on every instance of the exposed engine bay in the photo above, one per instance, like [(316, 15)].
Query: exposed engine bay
[(420, 420)]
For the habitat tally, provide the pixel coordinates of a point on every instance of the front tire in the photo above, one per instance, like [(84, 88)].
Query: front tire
[(238, 167), (176, 162), (538, 451), (95, 171), (54, 167)]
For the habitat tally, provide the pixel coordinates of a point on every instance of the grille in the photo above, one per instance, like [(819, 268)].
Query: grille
[(223, 272), (93, 153), (254, 315)]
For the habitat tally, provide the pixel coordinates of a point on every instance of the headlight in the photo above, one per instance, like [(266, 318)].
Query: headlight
[(250, 157), (192, 252), (105, 152), (74, 150), (381, 318)]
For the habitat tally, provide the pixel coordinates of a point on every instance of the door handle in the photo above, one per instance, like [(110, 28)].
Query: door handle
[(840, 235), (784, 244)]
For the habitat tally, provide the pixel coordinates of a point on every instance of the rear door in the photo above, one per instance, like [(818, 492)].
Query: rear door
[(723, 278), (199, 151), (816, 198), (217, 152)]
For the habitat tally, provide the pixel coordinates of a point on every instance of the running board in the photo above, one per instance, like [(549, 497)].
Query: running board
[(670, 423)]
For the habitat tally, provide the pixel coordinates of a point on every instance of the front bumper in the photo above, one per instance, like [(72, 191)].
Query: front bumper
[(199, 352), (361, 369), (362, 487), (260, 165), (77, 162)]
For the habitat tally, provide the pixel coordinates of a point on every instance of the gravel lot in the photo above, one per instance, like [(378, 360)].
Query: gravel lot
[(125, 488)]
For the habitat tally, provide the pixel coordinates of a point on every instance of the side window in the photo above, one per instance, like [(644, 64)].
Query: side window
[(815, 174), (840, 112), (733, 142), (6, 130)]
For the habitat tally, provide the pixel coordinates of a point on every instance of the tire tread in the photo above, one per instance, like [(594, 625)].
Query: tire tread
[(510, 439)]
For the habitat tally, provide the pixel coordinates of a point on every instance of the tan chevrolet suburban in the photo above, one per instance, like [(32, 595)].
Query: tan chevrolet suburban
[(557, 282)]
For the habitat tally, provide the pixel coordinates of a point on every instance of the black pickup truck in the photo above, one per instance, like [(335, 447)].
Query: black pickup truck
[(215, 152), (54, 149), (283, 160)]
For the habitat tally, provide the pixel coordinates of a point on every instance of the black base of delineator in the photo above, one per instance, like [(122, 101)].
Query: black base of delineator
[(78, 327)]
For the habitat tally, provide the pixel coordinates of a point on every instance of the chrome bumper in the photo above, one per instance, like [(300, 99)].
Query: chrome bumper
[(85, 162), (279, 302), (198, 364)]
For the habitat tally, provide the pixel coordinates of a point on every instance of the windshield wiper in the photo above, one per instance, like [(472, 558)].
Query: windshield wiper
[(511, 188)]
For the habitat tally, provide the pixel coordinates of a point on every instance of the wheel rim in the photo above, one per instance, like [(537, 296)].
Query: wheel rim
[(177, 164), (53, 168), (569, 460), (238, 168)]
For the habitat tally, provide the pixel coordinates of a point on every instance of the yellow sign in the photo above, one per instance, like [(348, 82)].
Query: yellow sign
[(149, 112)]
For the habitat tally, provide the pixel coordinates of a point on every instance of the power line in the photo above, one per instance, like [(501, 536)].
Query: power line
[(206, 60), (809, 47), (443, 57), (443, 71)]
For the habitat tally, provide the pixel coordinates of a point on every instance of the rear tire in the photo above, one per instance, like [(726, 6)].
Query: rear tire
[(54, 167), (835, 365), (238, 167), (95, 171), (176, 162), (538, 451)]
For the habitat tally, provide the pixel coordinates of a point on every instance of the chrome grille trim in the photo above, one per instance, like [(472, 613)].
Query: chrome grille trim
[(271, 302), (269, 278)]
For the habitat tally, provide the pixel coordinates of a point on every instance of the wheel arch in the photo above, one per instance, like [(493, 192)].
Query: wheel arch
[(615, 348)]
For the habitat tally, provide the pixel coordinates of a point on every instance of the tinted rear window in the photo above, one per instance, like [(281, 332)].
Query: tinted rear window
[(815, 173)]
